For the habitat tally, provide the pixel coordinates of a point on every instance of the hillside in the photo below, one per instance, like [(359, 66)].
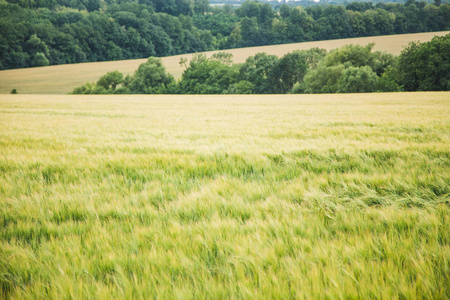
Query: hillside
[(62, 79)]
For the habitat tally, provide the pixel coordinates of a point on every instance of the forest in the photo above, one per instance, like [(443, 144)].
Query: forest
[(37, 33), (349, 69)]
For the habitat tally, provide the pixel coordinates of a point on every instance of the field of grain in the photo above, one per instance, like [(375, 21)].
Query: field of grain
[(64, 78), (310, 197)]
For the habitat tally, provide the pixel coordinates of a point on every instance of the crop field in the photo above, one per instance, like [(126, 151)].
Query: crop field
[(316, 196), (63, 79)]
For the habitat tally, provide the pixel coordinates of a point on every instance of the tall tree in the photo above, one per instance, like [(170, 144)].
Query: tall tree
[(426, 67), (290, 69), (150, 78)]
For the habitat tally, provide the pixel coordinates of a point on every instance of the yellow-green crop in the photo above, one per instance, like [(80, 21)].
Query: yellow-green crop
[(318, 196)]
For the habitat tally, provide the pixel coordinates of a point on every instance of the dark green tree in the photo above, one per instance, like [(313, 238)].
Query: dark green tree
[(249, 9), (111, 80), (242, 88), (208, 76), (150, 78), (389, 81), (256, 70), (290, 69), (249, 31), (426, 66)]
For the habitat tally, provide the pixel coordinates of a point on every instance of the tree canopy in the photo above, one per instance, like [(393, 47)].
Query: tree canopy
[(50, 32)]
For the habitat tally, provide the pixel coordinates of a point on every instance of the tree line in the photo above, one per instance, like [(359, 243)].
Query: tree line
[(349, 69), (40, 37), (50, 32)]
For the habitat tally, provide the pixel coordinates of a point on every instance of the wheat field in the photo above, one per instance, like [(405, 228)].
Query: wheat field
[(225, 197), (63, 79)]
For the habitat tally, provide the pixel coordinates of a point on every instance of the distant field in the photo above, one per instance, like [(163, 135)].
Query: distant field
[(210, 197), (64, 78)]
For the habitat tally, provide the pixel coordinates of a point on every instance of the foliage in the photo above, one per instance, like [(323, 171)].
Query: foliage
[(426, 66), (208, 76), (389, 81), (256, 70), (39, 60), (150, 78), (111, 80), (350, 55), (74, 31), (349, 69), (121, 31), (358, 80), (291, 68), (241, 88), (324, 79), (84, 89)]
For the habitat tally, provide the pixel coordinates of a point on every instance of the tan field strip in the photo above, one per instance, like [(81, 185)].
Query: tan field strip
[(63, 79)]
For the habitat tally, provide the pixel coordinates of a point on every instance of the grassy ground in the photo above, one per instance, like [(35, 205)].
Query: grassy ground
[(318, 196), (63, 79)]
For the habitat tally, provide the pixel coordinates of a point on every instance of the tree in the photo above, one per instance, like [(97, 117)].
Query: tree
[(34, 46), (313, 56), (359, 6), (208, 76), (223, 57), (250, 34), (256, 70), (285, 11), (426, 66), (334, 23), (350, 55), (249, 9), (150, 78), (242, 87), (323, 79), (39, 60), (300, 25), (358, 80), (389, 81), (201, 6), (84, 89), (266, 14), (291, 68), (111, 80)]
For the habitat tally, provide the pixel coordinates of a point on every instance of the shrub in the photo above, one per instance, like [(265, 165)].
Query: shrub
[(358, 80)]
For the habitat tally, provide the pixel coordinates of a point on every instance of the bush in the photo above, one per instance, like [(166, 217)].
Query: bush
[(426, 66), (388, 82), (323, 79), (122, 90), (39, 60), (241, 88), (150, 78), (84, 89), (358, 80)]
